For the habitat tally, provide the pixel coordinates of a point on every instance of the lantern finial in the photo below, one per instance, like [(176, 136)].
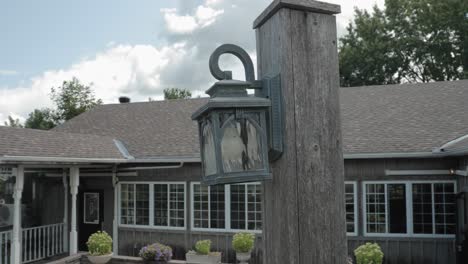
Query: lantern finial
[(239, 53)]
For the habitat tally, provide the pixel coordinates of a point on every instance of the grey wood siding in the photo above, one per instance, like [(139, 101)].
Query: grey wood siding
[(401, 250), (397, 250), (132, 239)]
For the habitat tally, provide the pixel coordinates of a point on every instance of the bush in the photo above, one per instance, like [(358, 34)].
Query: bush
[(203, 247), (99, 243), (369, 253), (156, 251), (243, 242)]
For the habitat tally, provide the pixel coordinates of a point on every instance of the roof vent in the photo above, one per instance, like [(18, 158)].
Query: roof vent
[(124, 99)]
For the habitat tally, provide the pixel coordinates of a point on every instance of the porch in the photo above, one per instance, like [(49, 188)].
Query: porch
[(49, 210)]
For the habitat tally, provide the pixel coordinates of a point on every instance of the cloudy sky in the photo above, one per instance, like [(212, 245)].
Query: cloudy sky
[(122, 47)]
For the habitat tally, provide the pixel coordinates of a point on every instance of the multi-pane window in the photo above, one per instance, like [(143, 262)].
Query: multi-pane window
[(152, 204), (254, 207), (419, 208), (134, 204), (350, 204), (227, 207)]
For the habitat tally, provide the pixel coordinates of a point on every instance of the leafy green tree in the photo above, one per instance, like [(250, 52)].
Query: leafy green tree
[(72, 99), (11, 122), (176, 93), (407, 41), (40, 119)]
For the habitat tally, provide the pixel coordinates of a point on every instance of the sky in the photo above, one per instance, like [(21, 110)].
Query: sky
[(123, 47)]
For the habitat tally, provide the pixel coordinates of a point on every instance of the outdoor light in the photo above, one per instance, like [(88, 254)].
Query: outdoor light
[(239, 133)]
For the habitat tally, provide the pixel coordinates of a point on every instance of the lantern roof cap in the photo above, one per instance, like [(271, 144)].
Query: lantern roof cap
[(229, 88), (248, 101)]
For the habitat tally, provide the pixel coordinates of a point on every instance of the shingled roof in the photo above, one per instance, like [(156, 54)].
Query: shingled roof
[(409, 118), (39, 145)]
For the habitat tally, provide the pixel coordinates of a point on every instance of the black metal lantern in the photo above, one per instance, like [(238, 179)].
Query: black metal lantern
[(236, 128)]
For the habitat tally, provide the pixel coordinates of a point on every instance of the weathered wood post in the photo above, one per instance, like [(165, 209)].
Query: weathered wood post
[(304, 203), (16, 240)]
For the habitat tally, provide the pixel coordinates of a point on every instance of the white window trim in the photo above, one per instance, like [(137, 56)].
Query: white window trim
[(355, 201), (409, 211), (227, 213), (151, 205)]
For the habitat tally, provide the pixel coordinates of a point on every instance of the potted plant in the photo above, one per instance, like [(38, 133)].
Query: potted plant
[(243, 244), (156, 253), (99, 247), (203, 254), (369, 253)]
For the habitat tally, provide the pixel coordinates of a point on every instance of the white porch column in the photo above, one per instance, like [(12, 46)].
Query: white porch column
[(115, 229), (74, 183), (16, 236), (65, 210)]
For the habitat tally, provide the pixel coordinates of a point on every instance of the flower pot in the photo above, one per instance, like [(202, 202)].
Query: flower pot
[(103, 259), (243, 258), (193, 258)]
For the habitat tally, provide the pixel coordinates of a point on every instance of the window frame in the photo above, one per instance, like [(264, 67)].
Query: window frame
[(151, 205), (227, 213), (409, 208), (355, 204)]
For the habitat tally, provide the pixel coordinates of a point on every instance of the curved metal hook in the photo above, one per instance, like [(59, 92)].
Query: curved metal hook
[(239, 53)]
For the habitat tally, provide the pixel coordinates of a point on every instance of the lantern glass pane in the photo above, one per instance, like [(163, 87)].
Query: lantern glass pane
[(241, 145), (209, 157)]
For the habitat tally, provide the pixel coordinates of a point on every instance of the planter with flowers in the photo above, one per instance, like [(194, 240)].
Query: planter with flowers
[(243, 244), (369, 253), (99, 247), (203, 254), (156, 253)]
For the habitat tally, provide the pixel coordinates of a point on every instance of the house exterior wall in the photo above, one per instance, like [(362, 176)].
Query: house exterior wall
[(132, 239), (402, 249)]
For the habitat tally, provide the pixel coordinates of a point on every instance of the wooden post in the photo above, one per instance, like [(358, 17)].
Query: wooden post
[(115, 228), (65, 210), (304, 211), (74, 183), (16, 257)]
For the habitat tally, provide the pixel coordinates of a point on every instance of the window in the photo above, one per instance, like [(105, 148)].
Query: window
[(227, 207), (153, 204), (351, 208), (409, 208), (134, 204)]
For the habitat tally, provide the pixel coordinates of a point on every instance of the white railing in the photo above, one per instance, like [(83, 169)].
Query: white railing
[(42, 241), (5, 246)]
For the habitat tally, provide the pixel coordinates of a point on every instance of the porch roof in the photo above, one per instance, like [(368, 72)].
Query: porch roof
[(22, 144)]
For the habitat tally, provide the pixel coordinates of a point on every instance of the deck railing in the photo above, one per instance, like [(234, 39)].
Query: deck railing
[(5, 246), (42, 241)]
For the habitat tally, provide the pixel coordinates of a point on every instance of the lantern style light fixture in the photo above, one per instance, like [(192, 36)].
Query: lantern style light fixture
[(239, 133)]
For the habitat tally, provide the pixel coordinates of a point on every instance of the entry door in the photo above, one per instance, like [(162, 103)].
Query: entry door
[(91, 216)]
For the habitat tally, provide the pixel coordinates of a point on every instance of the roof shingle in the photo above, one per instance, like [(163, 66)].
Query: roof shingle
[(375, 119)]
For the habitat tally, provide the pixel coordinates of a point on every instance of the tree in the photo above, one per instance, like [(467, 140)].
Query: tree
[(40, 119), (11, 122), (407, 41), (72, 99), (176, 93)]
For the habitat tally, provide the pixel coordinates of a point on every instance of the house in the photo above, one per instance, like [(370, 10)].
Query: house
[(133, 170)]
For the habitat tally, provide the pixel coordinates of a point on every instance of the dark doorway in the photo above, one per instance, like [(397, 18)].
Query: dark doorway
[(90, 216), (462, 226)]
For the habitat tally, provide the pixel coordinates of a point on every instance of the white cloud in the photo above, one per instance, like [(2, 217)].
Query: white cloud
[(121, 70), (142, 71), (7, 72), (203, 16)]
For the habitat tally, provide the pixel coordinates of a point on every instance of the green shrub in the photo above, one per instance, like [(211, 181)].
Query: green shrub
[(203, 247), (369, 253), (99, 243), (243, 242)]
